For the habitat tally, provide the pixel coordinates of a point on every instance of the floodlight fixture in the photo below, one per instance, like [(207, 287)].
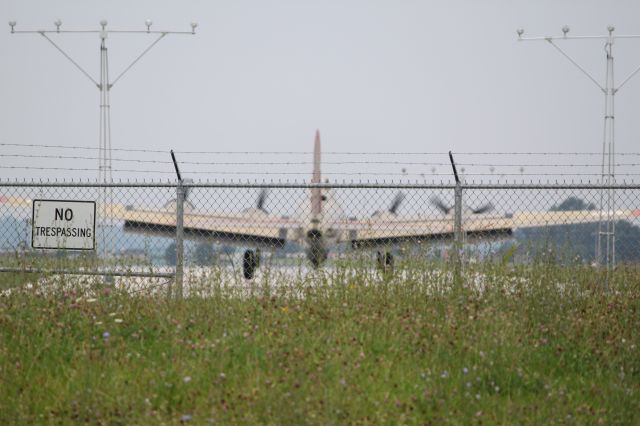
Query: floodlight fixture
[(12, 24), (148, 23), (565, 30), (103, 23), (520, 31), (194, 25), (57, 23)]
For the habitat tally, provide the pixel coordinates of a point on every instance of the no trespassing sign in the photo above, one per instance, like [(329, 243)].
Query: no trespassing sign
[(63, 225)]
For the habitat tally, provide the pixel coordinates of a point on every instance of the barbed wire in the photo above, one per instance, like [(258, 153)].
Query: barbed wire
[(295, 163), (142, 150), (89, 148), (239, 173)]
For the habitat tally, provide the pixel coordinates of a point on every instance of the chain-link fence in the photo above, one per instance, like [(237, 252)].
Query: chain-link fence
[(243, 231)]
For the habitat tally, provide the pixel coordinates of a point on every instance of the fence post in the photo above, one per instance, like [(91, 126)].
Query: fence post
[(457, 220), (458, 232), (179, 238), (458, 235), (180, 196)]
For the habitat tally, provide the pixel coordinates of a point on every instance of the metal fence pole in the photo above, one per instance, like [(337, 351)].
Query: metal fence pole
[(458, 231), (458, 235), (179, 238)]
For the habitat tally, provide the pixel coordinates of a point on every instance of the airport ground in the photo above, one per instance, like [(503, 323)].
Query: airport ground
[(539, 343)]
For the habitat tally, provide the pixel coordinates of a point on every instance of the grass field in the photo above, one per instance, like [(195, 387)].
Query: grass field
[(533, 344)]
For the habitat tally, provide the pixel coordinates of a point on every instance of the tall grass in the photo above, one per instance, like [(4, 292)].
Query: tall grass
[(529, 344)]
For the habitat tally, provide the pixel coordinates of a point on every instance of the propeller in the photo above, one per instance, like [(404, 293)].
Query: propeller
[(187, 190), (484, 209), (262, 198), (437, 202), (395, 204)]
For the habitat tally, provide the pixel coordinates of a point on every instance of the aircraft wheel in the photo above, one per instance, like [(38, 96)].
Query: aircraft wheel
[(385, 261), (249, 264)]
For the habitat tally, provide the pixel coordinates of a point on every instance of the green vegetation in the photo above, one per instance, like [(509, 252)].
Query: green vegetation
[(576, 242), (528, 344)]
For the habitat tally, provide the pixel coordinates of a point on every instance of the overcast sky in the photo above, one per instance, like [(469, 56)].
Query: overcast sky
[(372, 75)]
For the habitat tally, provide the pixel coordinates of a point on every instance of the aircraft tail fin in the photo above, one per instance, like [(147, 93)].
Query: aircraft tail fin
[(317, 176), (316, 195)]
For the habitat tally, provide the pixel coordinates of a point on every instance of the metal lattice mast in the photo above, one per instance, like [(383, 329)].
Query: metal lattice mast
[(605, 249), (104, 84), (104, 156)]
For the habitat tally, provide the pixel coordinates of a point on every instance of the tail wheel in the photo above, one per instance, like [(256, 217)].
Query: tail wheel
[(249, 264)]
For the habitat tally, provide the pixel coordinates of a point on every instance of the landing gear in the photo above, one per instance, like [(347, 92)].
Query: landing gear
[(250, 261), (385, 261), (316, 251)]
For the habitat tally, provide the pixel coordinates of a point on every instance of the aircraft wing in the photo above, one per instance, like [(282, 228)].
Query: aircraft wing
[(252, 228), (389, 229), (544, 219), (8, 200)]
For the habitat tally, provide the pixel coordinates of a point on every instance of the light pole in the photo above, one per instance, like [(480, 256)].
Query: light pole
[(103, 83), (606, 240)]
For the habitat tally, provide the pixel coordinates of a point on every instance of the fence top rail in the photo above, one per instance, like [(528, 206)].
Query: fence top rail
[(303, 185)]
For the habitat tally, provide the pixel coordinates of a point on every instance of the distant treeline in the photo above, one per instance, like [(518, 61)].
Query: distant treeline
[(577, 242)]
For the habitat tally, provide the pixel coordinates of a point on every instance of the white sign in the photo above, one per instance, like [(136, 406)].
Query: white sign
[(68, 225)]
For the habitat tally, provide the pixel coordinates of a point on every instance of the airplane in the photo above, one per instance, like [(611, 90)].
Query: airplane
[(324, 225)]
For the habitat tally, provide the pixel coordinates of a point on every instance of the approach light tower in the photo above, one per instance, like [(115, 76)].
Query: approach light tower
[(606, 241), (104, 85)]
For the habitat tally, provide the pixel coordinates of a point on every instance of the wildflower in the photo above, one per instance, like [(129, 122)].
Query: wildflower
[(444, 374), (118, 320), (186, 379), (477, 396), (465, 370), (185, 418), (223, 376), (92, 300), (106, 335), (343, 382)]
